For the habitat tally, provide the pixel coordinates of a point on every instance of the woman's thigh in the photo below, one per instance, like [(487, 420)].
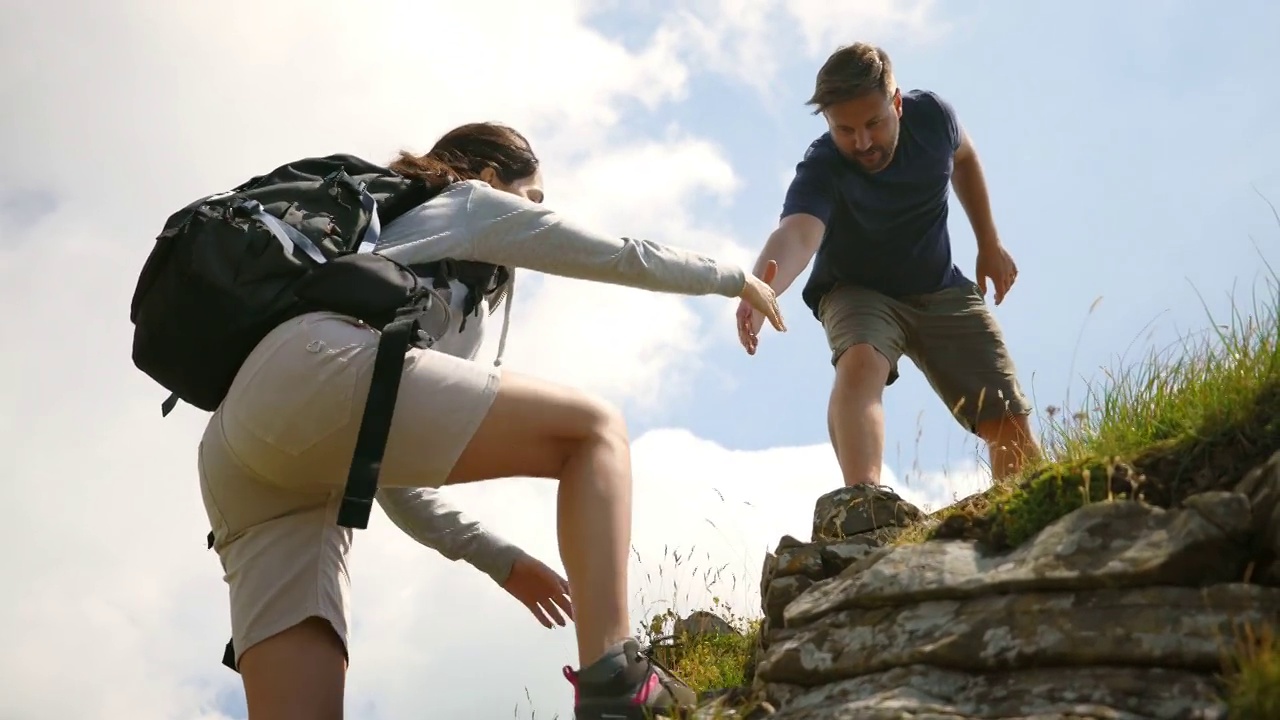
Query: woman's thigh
[(298, 674), (532, 428)]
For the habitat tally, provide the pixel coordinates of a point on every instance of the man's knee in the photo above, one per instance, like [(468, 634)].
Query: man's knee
[(862, 368), (1006, 429)]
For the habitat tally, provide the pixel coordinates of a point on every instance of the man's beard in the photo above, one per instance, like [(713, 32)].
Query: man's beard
[(876, 160)]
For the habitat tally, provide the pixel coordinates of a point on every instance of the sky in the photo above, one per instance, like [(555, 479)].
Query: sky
[(1128, 148)]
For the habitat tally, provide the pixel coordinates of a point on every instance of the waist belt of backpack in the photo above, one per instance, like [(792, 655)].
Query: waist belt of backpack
[(375, 425)]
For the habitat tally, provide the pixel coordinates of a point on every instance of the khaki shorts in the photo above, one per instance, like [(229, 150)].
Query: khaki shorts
[(274, 458), (950, 335)]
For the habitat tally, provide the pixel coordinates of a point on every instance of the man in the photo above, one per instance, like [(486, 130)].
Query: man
[(870, 198)]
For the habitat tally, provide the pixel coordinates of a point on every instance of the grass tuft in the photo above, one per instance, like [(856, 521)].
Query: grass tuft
[(1185, 419), (1252, 676), (712, 661)]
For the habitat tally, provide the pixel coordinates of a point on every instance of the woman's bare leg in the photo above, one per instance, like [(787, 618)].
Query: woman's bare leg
[(296, 675), (539, 429)]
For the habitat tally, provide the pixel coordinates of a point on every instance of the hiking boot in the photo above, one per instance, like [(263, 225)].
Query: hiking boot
[(628, 684)]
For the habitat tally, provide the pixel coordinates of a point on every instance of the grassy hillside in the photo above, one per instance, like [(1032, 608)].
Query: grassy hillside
[(1189, 418)]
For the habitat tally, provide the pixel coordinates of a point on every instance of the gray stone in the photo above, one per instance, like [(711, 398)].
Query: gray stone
[(930, 693), (1171, 627), (787, 542), (701, 623), (850, 511), (838, 555), (1224, 510), (817, 560), (802, 560), (1262, 486), (1105, 544), (767, 570), (782, 591)]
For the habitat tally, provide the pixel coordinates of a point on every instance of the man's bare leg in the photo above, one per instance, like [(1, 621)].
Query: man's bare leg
[(855, 414), (1011, 444)]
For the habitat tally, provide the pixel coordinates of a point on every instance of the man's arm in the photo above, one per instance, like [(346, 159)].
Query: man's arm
[(425, 516), (971, 190), (994, 261), (792, 245)]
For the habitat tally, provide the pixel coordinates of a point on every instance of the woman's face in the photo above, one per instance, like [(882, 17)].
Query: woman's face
[(529, 188)]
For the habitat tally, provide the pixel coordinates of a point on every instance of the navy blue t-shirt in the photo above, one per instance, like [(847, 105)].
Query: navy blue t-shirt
[(886, 231)]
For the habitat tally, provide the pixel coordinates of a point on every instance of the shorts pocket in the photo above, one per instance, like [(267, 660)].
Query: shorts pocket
[(298, 388)]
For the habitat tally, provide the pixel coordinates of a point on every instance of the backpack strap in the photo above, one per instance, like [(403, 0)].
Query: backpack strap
[(375, 425)]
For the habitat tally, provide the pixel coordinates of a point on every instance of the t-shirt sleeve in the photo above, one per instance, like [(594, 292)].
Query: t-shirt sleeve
[(947, 115), (812, 190)]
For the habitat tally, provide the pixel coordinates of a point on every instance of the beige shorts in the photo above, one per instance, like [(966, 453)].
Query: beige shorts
[(951, 336), (274, 458)]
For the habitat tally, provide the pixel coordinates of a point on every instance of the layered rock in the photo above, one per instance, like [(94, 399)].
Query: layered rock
[(1119, 610)]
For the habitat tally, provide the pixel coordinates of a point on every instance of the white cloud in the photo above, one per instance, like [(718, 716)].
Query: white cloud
[(826, 25), (742, 38), (624, 343)]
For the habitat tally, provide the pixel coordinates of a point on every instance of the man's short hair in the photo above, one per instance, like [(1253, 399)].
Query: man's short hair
[(852, 71)]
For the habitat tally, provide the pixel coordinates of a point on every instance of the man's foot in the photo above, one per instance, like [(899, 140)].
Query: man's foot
[(628, 684)]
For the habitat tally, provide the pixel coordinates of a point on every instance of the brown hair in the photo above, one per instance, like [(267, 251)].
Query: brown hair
[(465, 151), (852, 71)]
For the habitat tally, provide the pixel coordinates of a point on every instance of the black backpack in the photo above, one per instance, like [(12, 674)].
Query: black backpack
[(230, 267)]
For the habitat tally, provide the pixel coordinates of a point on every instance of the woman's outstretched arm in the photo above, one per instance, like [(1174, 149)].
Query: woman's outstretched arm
[(473, 221)]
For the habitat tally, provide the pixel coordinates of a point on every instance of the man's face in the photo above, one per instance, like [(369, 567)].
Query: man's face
[(865, 129)]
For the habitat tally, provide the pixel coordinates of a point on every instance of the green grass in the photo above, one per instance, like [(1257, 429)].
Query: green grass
[(707, 662), (1252, 676), (1181, 420)]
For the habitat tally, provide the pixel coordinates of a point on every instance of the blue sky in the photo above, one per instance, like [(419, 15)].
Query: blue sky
[(1122, 143)]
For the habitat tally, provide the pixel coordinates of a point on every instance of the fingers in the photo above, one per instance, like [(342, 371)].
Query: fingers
[(770, 272), (775, 318), (550, 608), (771, 309), (1005, 282), (561, 603), (745, 336), (536, 609)]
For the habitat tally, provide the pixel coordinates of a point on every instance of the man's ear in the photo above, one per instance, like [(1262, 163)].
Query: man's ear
[(490, 176)]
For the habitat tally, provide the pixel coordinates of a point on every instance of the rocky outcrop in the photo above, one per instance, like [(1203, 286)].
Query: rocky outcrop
[(1119, 610)]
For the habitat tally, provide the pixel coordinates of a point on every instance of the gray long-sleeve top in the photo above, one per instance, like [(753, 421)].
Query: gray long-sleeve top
[(472, 221)]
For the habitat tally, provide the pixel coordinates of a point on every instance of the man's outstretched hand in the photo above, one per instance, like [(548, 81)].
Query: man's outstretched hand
[(751, 320), (996, 263), (540, 589)]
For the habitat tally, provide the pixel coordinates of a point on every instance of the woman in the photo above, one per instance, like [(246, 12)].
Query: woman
[(273, 457)]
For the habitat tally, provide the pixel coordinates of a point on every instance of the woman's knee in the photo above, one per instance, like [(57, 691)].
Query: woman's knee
[(535, 428), (603, 421)]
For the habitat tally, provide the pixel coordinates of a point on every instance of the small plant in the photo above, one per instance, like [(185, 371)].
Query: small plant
[(1252, 676), (706, 661)]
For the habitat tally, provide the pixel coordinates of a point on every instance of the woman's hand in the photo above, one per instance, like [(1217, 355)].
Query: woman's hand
[(540, 589), (758, 302)]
